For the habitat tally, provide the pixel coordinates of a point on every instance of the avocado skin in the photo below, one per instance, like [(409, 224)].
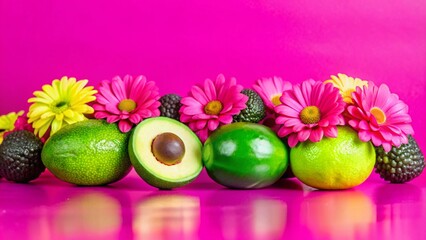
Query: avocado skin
[(400, 164), (20, 157), (170, 105), (255, 110)]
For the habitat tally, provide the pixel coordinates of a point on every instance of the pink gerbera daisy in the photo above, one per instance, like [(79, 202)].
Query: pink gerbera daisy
[(380, 116), (309, 110), (213, 104), (127, 101), (270, 90)]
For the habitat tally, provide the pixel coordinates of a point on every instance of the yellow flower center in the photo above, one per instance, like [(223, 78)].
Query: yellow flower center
[(378, 114), (347, 95), (213, 108), (127, 105), (276, 100), (310, 115)]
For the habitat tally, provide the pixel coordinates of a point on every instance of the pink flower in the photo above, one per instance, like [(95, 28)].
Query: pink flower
[(310, 110), (270, 90), (378, 115), (127, 101), (21, 123), (211, 105)]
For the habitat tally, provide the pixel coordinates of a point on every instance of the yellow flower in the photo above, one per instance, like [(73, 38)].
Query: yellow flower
[(60, 104), (346, 85), (7, 122)]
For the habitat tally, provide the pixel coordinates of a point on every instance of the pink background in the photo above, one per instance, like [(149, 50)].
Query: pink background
[(180, 43)]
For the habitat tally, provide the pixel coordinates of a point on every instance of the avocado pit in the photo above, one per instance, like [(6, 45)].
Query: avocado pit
[(168, 148)]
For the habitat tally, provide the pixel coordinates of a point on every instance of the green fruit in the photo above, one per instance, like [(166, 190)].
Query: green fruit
[(255, 110), (245, 155), (400, 164), (165, 153), (91, 152), (333, 163), (20, 159)]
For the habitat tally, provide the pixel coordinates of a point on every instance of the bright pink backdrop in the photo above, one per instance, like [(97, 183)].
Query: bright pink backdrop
[(180, 43)]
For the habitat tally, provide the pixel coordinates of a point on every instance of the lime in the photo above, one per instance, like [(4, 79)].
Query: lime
[(333, 163), (91, 152), (245, 155)]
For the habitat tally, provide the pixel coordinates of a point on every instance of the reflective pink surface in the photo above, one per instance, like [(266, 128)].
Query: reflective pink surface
[(180, 43), (50, 209)]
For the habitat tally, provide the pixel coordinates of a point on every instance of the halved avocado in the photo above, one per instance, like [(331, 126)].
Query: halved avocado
[(165, 153)]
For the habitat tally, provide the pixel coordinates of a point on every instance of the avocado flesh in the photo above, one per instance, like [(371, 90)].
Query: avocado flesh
[(153, 171)]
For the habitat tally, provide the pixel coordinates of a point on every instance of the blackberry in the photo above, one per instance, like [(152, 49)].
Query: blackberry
[(255, 110), (400, 164), (170, 105), (20, 157)]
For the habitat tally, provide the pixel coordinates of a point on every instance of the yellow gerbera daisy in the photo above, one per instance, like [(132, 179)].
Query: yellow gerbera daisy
[(7, 122), (60, 104), (346, 85)]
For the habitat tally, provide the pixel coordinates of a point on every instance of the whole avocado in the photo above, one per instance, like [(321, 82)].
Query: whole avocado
[(255, 110), (20, 157), (400, 164), (170, 105)]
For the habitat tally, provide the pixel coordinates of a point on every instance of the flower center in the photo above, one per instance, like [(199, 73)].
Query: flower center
[(127, 105), (347, 95), (213, 108), (276, 100), (60, 107), (378, 114), (310, 115)]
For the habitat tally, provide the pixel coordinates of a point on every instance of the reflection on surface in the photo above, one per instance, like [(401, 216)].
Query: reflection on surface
[(167, 216), (399, 208), (94, 214), (259, 219), (20, 210), (338, 215), (269, 218)]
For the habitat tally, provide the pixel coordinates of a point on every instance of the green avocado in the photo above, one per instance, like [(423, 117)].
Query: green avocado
[(90, 152), (245, 155), (165, 152)]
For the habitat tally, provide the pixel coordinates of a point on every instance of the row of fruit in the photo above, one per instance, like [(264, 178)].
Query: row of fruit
[(329, 135)]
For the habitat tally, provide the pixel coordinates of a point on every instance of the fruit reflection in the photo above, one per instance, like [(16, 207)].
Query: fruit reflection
[(338, 215), (92, 214), (399, 209), (260, 219), (171, 216)]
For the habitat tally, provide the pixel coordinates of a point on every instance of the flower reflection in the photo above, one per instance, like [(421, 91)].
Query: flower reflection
[(92, 214), (338, 215), (168, 216)]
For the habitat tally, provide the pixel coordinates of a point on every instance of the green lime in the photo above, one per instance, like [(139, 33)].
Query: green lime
[(245, 155), (90, 152), (333, 163)]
